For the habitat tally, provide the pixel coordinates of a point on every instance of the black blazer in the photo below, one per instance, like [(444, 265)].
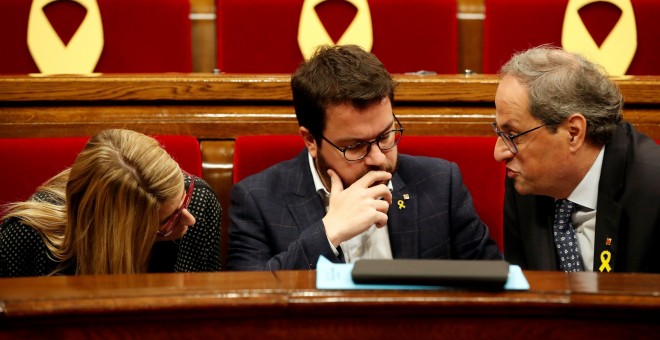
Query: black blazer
[(276, 217), (628, 212)]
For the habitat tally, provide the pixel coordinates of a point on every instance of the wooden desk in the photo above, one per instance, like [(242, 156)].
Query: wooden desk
[(286, 305)]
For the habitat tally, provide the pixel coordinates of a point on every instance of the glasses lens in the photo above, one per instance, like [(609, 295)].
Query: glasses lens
[(390, 139), (356, 151), (174, 220), (509, 143)]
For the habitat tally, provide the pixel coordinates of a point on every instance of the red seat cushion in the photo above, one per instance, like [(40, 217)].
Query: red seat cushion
[(29, 162), (140, 36), (540, 22), (483, 176), (261, 36)]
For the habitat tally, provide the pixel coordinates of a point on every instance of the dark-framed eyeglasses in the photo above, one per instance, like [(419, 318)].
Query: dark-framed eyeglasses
[(359, 150), (168, 226), (508, 139)]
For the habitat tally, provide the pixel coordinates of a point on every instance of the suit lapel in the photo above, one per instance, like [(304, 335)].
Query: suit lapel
[(402, 220), (606, 241), (608, 213), (304, 204), (543, 241)]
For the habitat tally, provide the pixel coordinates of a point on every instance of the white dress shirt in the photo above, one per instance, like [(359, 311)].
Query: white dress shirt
[(584, 218), (374, 243)]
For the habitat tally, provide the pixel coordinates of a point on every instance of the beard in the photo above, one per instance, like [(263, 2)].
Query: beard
[(322, 168)]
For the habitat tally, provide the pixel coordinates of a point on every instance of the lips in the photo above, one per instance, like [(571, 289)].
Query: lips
[(510, 173)]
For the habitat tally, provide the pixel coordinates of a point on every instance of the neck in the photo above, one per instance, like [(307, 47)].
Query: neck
[(583, 160)]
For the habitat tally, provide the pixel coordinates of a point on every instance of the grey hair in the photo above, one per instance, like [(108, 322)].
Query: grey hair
[(561, 83)]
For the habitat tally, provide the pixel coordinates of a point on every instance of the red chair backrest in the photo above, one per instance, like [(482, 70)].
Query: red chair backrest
[(141, 36), (261, 36), (29, 162), (483, 176), (540, 22)]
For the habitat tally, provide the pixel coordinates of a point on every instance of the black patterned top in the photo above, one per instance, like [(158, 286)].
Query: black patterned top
[(24, 253)]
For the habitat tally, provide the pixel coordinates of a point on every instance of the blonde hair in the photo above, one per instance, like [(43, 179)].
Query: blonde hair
[(114, 192)]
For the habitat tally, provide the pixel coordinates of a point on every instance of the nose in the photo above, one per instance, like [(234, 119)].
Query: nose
[(187, 218), (375, 156), (501, 152)]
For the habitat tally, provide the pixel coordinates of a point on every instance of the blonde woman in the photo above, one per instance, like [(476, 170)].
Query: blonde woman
[(124, 207)]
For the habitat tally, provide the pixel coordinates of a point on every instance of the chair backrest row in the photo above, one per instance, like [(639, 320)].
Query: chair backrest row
[(271, 36)]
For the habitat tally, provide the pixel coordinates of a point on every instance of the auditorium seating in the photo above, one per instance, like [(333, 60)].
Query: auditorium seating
[(516, 25), (261, 36), (140, 36), (29, 162), (483, 176)]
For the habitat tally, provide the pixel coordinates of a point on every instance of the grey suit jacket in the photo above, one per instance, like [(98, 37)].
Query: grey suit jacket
[(628, 212), (276, 217)]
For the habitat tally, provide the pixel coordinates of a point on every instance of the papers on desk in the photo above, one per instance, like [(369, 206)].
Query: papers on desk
[(338, 276)]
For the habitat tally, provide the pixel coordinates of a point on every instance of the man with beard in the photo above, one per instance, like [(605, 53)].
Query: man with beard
[(349, 195)]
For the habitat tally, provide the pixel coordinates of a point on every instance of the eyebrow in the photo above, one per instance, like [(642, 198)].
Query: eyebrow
[(358, 140), (507, 124)]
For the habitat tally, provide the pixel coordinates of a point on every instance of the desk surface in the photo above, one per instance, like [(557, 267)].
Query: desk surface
[(286, 303)]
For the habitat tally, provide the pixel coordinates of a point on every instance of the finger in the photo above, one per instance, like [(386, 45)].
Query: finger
[(382, 220), (335, 182), (177, 233), (382, 206), (374, 176), (381, 191)]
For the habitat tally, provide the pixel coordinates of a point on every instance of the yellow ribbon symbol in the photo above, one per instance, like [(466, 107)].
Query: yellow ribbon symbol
[(605, 257), (312, 34), (617, 50), (50, 54), (401, 205)]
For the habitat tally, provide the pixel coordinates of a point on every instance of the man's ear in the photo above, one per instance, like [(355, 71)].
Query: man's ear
[(577, 129), (310, 142)]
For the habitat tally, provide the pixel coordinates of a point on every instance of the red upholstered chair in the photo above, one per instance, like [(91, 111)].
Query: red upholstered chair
[(140, 35), (483, 176), (516, 25), (261, 36), (29, 162)]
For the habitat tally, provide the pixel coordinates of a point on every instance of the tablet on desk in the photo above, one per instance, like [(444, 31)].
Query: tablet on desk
[(475, 274)]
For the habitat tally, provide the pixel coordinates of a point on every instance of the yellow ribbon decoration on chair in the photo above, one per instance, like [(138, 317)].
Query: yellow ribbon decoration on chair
[(617, 50), (51, 55), (312, 33)]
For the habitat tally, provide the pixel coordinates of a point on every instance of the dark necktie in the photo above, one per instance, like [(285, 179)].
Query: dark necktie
[(566, 242)]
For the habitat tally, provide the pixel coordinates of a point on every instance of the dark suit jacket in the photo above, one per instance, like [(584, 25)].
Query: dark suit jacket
[(276, 217), (628, 212)]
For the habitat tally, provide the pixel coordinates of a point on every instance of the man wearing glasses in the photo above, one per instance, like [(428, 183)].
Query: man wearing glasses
[(349, 195), (582, 192)]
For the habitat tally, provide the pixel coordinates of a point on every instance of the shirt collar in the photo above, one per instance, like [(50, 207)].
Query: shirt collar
[(586, 193), (318, 184)]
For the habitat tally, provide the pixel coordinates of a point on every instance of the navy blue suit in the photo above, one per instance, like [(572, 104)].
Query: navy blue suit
[(276, 217)]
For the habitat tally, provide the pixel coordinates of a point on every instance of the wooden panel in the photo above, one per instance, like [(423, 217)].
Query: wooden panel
[(203, 20), (145, 89), (285, 304), (225, 106), (217, 166), (470, 35)]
